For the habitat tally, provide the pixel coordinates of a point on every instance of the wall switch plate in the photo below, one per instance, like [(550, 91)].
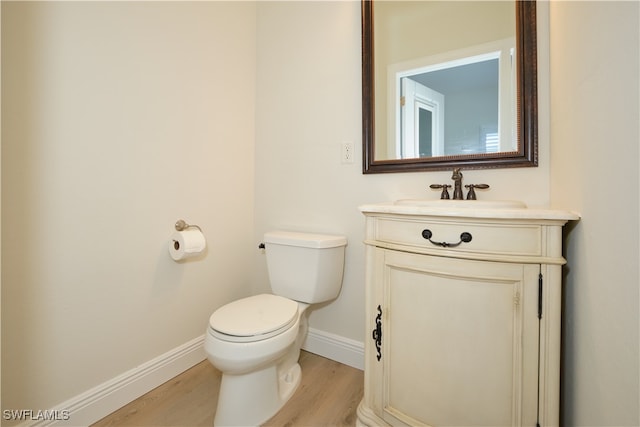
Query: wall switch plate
[(347, 153)]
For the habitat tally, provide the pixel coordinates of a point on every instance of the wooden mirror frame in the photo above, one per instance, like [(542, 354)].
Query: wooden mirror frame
[(526, 103)]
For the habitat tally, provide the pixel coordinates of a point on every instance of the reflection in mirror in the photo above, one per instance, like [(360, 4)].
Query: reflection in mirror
[(441, 92), (463, 106)]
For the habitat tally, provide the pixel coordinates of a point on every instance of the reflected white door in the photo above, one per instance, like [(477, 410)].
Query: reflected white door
[(422, 121)]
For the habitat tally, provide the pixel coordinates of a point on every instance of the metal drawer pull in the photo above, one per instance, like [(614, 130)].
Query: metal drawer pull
[(464, 237)]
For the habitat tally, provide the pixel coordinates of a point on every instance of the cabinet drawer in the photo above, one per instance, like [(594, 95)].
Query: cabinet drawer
[(486, 238)]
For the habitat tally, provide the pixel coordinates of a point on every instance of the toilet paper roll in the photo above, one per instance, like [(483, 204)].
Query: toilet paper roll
[(186, 244)]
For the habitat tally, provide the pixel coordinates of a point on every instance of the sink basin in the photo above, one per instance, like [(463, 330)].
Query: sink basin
[(468, 204)]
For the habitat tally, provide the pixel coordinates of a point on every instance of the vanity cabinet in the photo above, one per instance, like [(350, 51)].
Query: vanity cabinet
[(462, 333)]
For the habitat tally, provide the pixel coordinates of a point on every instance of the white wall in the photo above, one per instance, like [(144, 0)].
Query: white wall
[(595, 136), (118, 119)]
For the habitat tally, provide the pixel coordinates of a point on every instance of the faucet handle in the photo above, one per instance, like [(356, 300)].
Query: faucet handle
[(471, 195), (444, 187)]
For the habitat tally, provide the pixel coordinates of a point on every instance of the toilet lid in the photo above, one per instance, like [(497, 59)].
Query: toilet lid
[(256, 315)]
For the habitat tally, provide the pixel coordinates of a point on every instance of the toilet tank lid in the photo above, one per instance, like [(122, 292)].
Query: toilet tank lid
[(307, 240)]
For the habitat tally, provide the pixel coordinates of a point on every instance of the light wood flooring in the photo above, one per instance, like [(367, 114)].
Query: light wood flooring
[(328, 395)]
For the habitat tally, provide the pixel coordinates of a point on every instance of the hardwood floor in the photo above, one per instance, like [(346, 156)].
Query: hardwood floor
[(328, 395)]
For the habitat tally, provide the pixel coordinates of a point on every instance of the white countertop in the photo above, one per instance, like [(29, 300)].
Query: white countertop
[(467, 209)]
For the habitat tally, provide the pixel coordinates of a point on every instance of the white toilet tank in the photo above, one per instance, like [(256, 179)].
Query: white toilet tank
[(305, 267)]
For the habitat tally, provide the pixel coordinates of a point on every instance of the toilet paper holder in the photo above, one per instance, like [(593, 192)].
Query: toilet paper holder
[(182, 225)]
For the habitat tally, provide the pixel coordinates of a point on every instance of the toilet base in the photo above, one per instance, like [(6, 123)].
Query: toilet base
[(251, 399)]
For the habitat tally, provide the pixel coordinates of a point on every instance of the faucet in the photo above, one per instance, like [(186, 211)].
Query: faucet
[(457, 187), (457, 184)]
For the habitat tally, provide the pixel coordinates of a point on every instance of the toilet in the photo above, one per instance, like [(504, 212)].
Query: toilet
[(255, 342)]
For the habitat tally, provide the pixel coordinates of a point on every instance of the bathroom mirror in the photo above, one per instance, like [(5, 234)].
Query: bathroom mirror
[(448, 84)]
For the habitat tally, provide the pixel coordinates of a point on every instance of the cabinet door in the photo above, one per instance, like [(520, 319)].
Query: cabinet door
[(459, 341)]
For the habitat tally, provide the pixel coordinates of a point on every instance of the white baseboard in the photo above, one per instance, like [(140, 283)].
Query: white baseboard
[(100, 401), (335, 347)]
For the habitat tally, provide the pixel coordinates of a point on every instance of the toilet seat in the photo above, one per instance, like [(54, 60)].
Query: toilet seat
[(253, 318)]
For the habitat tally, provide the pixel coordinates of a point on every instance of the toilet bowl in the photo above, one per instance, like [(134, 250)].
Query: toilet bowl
[(259, 361), (237, 350), (255, 341)]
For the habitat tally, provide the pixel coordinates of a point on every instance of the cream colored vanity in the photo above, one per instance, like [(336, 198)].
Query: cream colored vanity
[(463, 314)]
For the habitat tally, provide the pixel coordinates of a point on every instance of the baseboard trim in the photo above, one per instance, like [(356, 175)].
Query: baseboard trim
[(335, 347), (100, 401)]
